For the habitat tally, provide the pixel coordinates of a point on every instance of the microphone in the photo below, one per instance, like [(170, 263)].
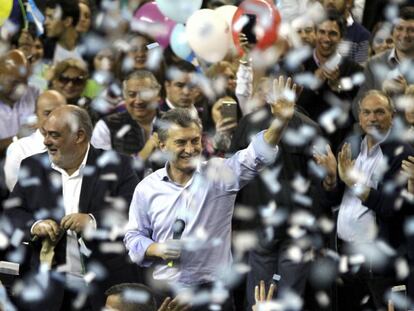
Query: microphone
[(178, 228)]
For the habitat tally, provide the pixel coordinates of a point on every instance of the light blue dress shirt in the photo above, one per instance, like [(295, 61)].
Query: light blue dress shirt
[(356, 222), (206, 205)]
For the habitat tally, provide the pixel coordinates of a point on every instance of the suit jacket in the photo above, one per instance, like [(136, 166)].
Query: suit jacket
[(107, 178), (383, 200), (318, 101), (292, 160)]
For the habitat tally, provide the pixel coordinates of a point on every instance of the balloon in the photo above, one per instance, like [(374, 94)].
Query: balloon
[(152, 22), (179, 10), (227, 12), (267, 22), (5, 10), (208, 35), (179, 43)]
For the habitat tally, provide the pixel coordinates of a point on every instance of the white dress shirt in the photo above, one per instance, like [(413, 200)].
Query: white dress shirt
[(206, 205), (71, 190), (101, 136), (61, 54), (17, 152), (356, 222)]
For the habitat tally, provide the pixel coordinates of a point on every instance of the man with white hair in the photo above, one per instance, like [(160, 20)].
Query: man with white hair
[(65, 193)]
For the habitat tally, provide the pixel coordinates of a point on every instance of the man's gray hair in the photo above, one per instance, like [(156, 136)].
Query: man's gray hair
[(141, 75), (379, 93), (78, 119), (182, 117)]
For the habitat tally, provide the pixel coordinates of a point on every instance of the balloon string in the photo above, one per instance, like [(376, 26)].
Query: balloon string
[(26, 24)]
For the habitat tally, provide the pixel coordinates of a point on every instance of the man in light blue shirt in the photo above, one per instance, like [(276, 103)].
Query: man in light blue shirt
[(369, 212), (200, 194)]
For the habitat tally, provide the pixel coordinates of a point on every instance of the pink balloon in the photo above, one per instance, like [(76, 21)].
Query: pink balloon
[(154, 23)]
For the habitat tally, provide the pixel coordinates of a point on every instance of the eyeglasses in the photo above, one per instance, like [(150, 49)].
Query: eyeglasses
[(382, 41), (78, 81)]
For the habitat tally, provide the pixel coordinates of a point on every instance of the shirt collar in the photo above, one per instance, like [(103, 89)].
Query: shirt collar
[(350, 20), (364, 143), (315, 58), (80, 168), (166, 177), (171, 106), (169, 103), (393, 58)]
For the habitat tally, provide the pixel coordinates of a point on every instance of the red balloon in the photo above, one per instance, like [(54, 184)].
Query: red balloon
[(267, 22)]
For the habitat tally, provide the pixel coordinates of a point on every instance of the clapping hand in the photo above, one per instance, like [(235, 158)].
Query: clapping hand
[(346, 165), (408, 170), (329, 163)]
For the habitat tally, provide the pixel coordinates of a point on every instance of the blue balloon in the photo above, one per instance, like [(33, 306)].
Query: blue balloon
[(179, 10), (179, 43)]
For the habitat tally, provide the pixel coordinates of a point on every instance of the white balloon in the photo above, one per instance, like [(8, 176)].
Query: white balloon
[(227, 12), (208, 34)]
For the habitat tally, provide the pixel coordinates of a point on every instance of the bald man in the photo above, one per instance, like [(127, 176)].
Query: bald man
[(67, 189), (33, 144), (17, 99)]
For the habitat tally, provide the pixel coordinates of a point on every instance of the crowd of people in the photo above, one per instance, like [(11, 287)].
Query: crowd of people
[(278, 178)]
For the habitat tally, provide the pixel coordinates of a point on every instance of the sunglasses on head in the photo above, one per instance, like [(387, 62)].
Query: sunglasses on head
[(75, 80)]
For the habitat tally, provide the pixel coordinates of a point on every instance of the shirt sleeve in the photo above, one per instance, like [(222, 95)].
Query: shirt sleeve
[(101, 136), (137, 238), (247, 163), (12, 165), (244, 86)]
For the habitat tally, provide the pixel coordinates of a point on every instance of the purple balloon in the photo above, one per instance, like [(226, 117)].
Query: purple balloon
[(158, 26)]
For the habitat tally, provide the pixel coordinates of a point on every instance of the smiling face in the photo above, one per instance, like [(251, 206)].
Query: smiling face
[(70, 83), (184, 145), (328, 37), (63, 144), (141, 99), (403, 36), (375, 115), (138, 52)]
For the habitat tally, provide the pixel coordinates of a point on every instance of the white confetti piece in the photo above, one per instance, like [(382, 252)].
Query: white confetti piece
[(12, 203), (107, 158), (270, 176), (323, 299), (136, 296), (4, 240), (402, 268), (17, 237)]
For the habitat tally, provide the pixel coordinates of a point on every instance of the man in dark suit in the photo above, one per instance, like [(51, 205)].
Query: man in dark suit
[(70, 201), (270, 255), (328, 101)]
